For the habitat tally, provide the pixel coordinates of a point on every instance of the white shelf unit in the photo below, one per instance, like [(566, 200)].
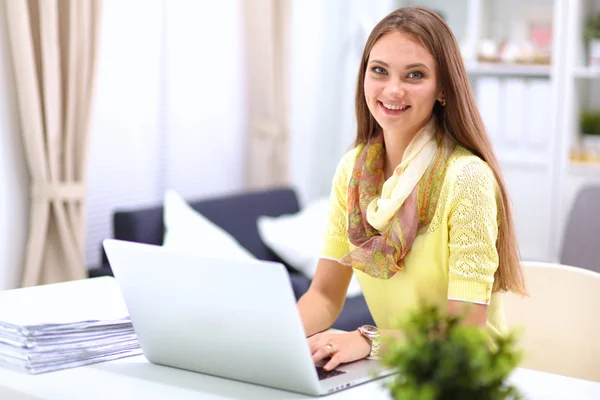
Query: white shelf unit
[(584, 170), (514, 70), (580, 89), (582, 82), (518, 103), (586, 72)]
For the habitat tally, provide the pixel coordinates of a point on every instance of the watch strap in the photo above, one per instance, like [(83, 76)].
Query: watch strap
[(372, 333)]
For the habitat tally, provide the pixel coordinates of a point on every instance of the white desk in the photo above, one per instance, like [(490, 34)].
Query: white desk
[(136, 378)]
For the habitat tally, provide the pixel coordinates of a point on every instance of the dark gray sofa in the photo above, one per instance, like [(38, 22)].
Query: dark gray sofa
[(237, 215)]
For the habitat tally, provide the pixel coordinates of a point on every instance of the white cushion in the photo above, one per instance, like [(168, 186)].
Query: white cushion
[(298, 238), (189, 231)]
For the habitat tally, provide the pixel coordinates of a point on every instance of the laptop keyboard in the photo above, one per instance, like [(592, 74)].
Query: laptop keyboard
[(328, 374)]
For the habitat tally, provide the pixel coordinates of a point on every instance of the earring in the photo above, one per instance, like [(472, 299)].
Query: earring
[(443, 102)]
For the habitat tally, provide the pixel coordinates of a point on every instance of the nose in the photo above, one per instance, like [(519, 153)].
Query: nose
[(395, 88)]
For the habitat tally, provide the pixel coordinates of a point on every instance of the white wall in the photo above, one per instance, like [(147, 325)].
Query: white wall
[(311, 100), (327, 41), (204, 97), (169, 110), (124, 155), (14, 179)]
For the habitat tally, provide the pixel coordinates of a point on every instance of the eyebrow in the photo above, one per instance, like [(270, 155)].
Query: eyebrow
[(409, 66)]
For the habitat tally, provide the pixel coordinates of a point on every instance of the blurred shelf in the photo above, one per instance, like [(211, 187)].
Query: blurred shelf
[(516, 70), (585, 169), (587, 72)]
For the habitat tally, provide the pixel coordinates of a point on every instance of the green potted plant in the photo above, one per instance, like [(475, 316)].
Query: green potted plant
[(589, 126), (589, 123), (441, 358), (592, 37)]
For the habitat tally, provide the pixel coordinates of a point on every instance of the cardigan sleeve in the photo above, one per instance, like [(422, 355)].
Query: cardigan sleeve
[(335, 243), (473, 230)]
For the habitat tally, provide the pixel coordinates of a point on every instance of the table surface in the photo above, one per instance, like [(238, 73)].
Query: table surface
[(137, 378)]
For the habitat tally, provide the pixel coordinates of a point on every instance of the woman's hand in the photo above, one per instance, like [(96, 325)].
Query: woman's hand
[(339, 347)]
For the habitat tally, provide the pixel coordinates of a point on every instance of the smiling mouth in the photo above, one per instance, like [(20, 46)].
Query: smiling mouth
[(393, 109), (394, 106)]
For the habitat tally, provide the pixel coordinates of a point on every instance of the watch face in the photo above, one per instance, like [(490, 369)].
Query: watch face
[(370, 329)]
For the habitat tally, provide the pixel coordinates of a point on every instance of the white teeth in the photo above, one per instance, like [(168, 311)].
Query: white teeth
[(394, 107)]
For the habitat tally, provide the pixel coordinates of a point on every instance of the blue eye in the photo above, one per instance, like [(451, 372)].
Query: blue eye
[(416, 75), (379, 70)]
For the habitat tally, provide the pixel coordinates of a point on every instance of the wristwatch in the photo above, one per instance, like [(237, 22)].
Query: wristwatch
[(372, 334)]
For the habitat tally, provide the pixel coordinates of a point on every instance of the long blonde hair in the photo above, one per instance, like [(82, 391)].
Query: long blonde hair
[(460, 118)]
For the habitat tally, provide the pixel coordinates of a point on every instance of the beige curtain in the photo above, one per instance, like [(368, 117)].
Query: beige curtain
[(54, 47), (267, 27)]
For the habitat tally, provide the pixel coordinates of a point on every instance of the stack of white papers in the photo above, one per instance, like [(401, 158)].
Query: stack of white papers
[(64, 325)]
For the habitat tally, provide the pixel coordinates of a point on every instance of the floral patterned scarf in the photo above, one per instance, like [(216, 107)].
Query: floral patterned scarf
[(383, 219)]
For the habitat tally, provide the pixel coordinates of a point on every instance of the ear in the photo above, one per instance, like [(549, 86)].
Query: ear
[(441, 95)]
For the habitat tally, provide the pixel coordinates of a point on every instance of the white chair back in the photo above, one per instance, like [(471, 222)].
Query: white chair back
[(559, 321)]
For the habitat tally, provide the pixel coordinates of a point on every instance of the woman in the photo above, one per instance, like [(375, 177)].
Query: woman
[(419, 210)]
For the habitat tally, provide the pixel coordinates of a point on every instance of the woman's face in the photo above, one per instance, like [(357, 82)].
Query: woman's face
[(401, 85)]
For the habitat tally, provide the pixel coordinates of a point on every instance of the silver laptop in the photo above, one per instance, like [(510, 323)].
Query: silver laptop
[(233, 319)]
